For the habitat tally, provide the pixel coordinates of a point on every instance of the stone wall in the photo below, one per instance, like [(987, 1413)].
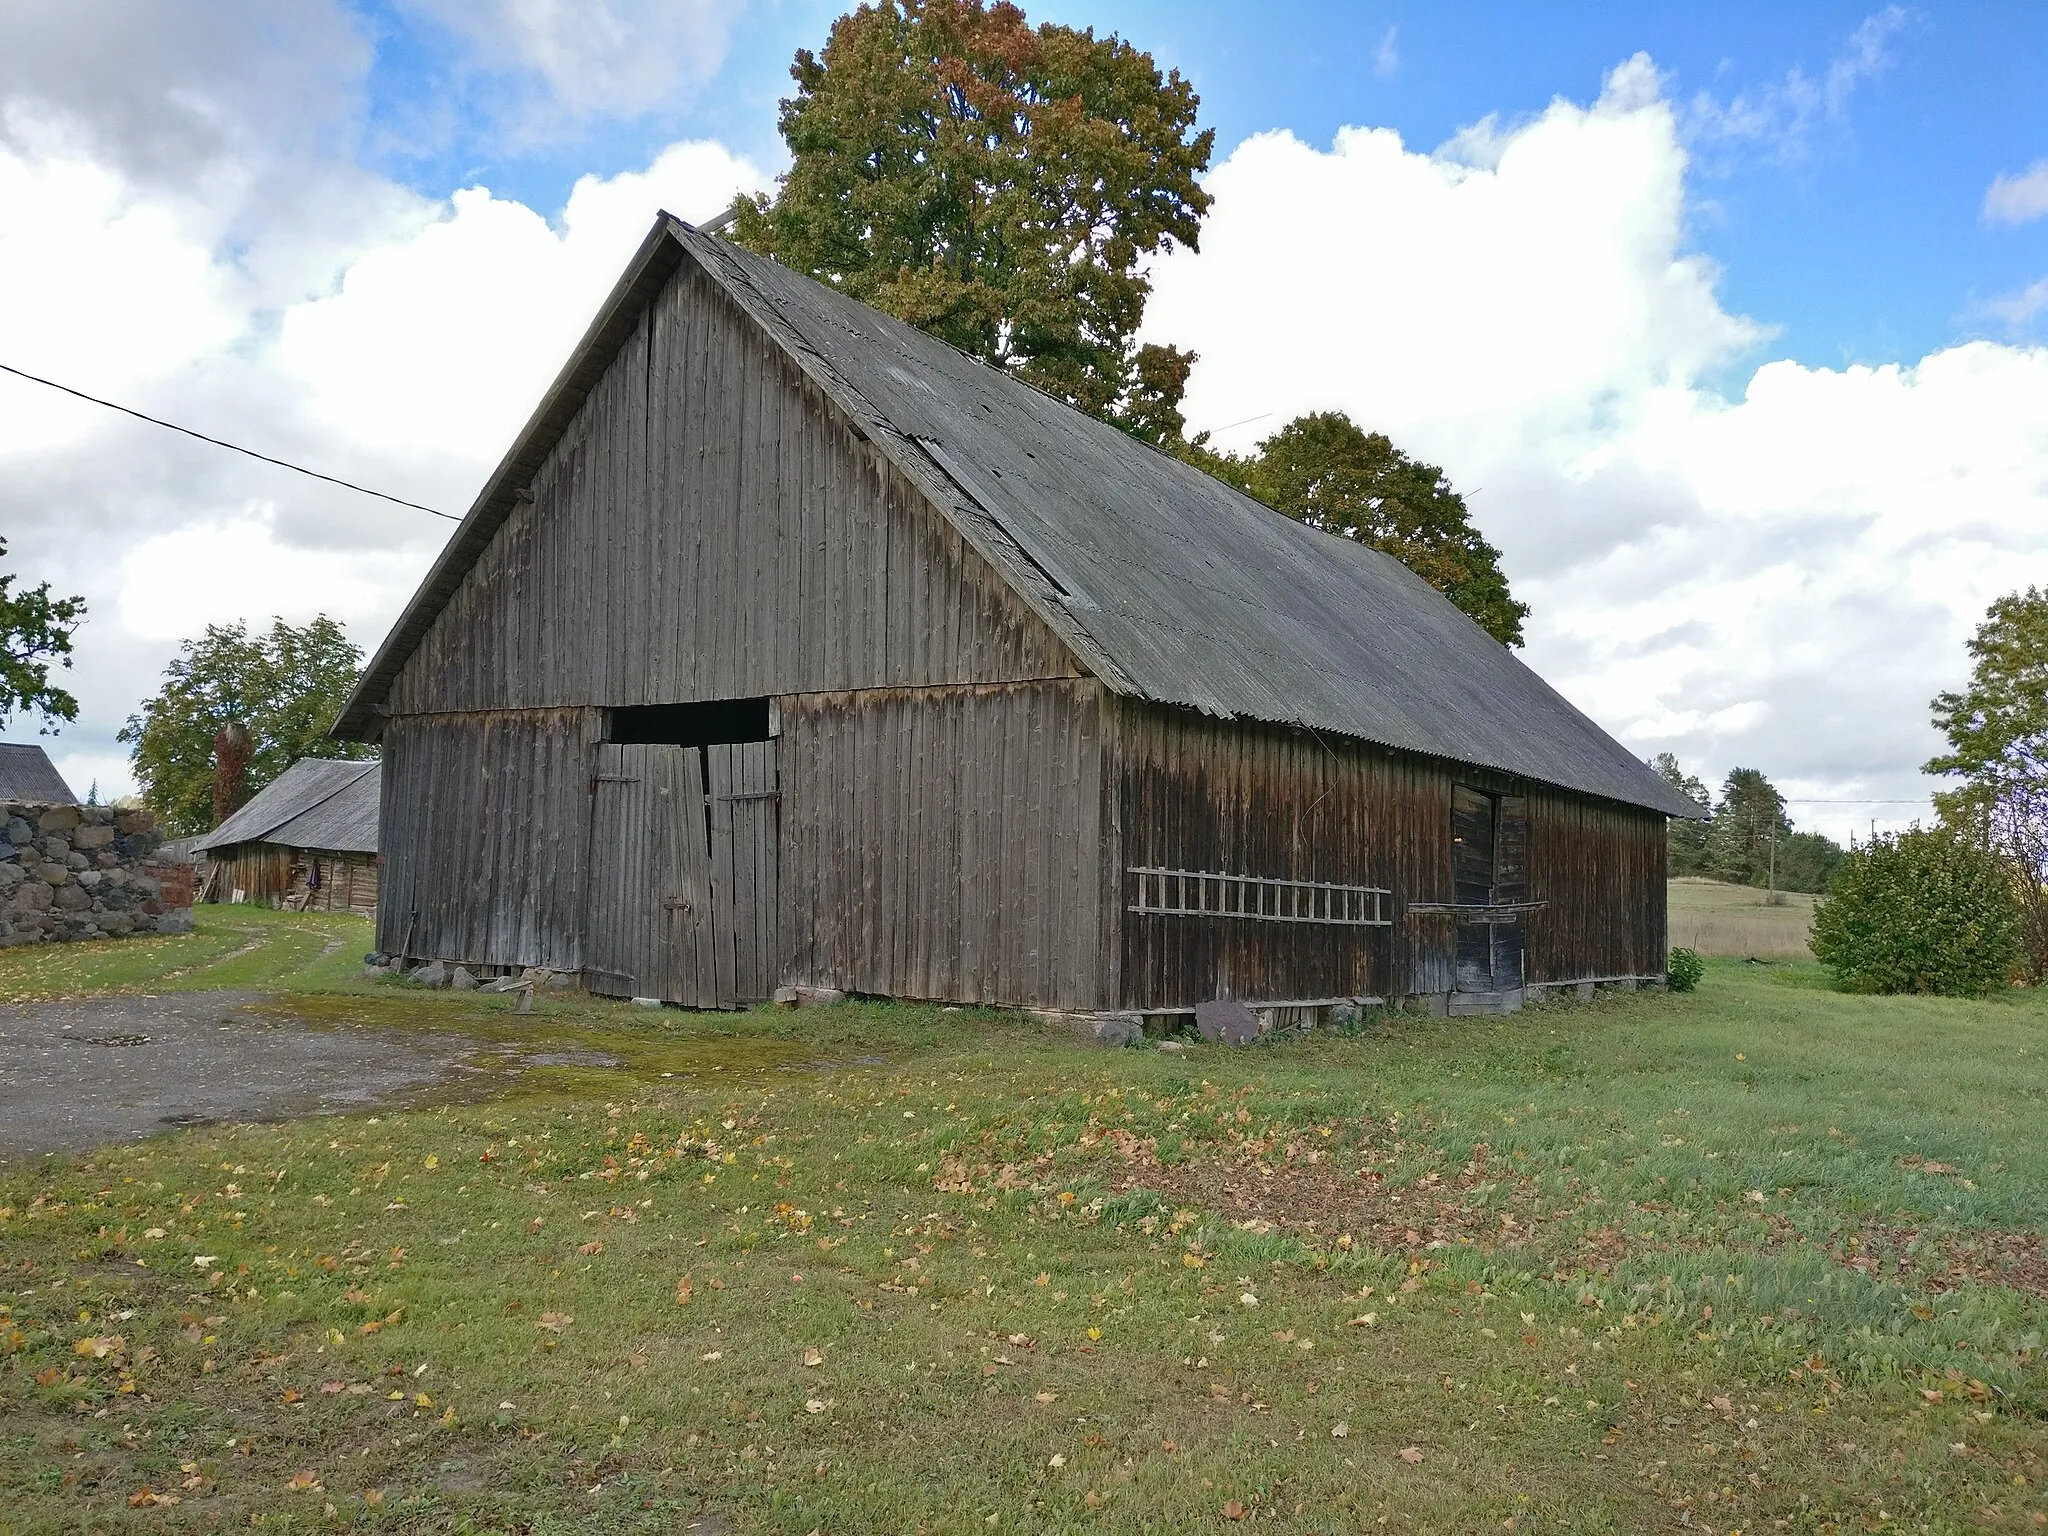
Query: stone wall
[(85, 872)]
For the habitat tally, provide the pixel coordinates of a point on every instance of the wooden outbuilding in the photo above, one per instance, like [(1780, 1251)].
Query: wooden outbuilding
[(790, 646), (307, 840), (26, 773)]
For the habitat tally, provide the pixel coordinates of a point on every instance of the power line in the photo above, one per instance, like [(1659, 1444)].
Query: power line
[(1802, 800), (157, 421)]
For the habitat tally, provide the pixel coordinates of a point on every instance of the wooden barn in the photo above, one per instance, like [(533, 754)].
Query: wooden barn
[(789, 646), (307, 840), (26, 773)]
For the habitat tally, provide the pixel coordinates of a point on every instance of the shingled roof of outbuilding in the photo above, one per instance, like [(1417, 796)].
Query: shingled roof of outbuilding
[(26, 773), (318, 802), (1168, 584)]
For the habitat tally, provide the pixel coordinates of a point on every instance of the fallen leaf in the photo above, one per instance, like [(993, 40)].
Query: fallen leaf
[(716, 1354), (1339, 1431), (97, 1348), (1248, 1299), (813, 1358), (1233, 1510), (1365, 1320), (304, 1481), (1930, 1394), (1046, 1397), (373, 1497), (684, 1291), (49, 1376), (1410, 1454), (813, 1405), (554, 1322), (1059, 1460), (590, 1249), (330, 1388), (293, 1395), (205, 1260)]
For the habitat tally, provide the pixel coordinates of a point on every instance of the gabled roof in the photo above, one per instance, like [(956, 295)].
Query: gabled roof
[(26, 773), (318, 802), (1170, 585)]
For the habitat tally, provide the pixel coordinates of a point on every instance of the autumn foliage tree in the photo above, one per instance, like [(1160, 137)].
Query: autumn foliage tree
[(999, 186)]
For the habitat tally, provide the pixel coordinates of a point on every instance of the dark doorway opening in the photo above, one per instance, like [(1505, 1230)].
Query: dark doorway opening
[(709, 724)]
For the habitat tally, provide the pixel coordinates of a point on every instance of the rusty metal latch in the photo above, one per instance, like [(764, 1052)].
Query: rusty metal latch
[(755, 794)]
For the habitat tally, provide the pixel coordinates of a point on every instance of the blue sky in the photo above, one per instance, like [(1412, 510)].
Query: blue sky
[(1857, 233)]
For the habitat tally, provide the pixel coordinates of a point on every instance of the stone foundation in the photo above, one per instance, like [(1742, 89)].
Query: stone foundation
[(70, 872)]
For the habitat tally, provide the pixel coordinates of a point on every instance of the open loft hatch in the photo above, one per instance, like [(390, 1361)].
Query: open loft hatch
[(708, 724)]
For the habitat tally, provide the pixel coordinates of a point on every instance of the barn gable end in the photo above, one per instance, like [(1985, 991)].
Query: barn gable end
[(711, 526)]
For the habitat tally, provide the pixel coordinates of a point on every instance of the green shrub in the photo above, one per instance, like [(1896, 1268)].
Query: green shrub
[(1684, 971), (1923, 911)]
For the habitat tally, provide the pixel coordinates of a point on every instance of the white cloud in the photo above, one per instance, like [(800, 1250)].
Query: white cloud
[(1386, 55), (1781, 579), (2018, 199), (1783, 116), (2017, 309), (450, 335), (614, 58), (406, 359)]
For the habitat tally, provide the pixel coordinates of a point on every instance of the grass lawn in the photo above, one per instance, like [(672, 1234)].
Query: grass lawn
[(1713, 917), (1765, 1257)]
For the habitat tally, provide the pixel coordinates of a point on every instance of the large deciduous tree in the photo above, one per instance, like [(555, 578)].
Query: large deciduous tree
[(35, 633), (283, 686), (1326, 470), (999, 186), (1997, 730)]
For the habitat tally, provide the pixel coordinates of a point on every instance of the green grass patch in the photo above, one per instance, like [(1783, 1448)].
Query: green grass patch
[(1766, 1257), (251, 948)]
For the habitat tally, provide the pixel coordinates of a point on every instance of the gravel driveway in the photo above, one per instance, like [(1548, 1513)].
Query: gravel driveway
[(78, 1075)]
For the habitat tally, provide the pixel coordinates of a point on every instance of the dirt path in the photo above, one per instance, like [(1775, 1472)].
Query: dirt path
[(76, 1075)]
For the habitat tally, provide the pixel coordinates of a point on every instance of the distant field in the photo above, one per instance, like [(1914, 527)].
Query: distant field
[(1718, 919)]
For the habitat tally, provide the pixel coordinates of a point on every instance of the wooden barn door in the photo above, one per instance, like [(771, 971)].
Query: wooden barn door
[(649, 928), (745, 844), (1489, 868), (1472, 885)]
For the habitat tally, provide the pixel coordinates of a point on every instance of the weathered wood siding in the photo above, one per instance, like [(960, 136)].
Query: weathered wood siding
[(709, 527), (485, 827), (1197, 793), (1190, 792), (945, 843), (1600, 867), (712, 527)]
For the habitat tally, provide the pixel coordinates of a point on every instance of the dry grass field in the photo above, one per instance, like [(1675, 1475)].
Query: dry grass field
[(1713, 918)]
